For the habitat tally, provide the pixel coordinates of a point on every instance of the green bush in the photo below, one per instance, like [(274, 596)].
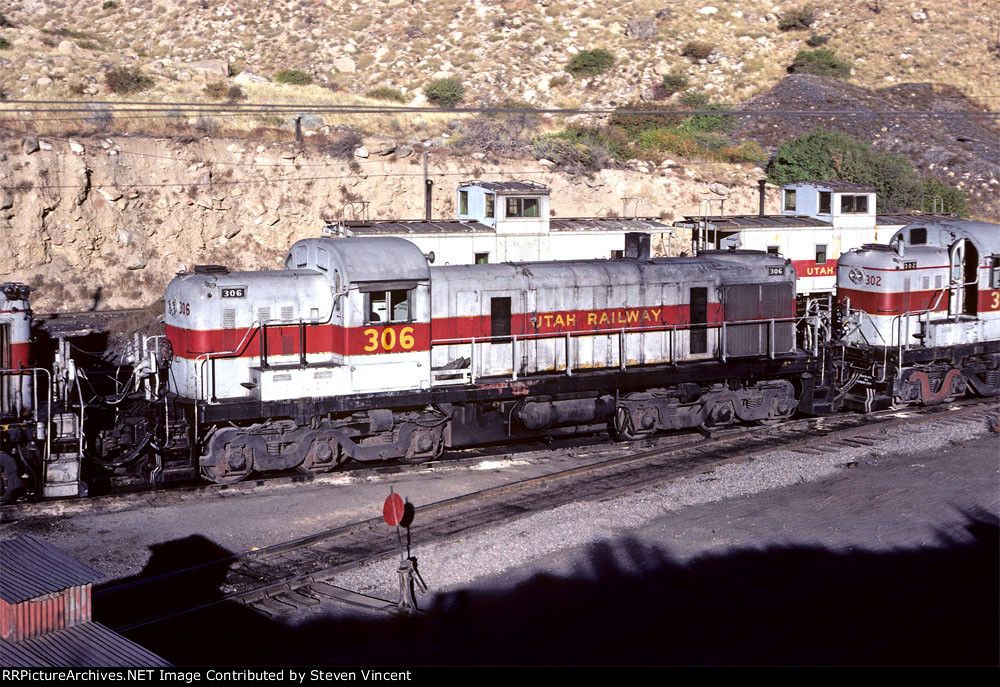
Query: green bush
[(822, 62), (710, 123), (798, 19), (109, 5), (123, 80), (5, 23), (4, 43), (815, 40), (216, 89), (445, 92), (830, 155), (649, 118), (386, 93), (295, 77), (674, 82), (570, 155), (697, 50), (954, 199), (591, 62)]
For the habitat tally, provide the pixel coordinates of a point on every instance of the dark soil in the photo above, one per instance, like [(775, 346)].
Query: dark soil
[(961, 151)]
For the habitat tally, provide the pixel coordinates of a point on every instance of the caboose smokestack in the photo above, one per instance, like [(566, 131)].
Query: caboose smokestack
[(762, 183), (428, 188)]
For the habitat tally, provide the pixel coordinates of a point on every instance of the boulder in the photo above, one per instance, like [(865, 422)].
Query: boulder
[(643, 29), (250, 77), (210, 67), (380, 145), (344, 65)]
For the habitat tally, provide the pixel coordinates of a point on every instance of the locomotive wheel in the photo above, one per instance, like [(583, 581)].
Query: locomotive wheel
[(234, 460), (323, 456), (424, 446)]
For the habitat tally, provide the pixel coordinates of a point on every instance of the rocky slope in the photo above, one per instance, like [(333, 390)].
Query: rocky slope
[(108, 221), (960, 151), (502, 49)]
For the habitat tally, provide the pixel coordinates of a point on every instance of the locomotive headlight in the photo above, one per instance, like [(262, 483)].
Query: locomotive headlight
[(856, 275)]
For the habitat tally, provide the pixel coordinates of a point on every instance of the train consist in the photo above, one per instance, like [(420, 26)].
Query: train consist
[(359, 349)]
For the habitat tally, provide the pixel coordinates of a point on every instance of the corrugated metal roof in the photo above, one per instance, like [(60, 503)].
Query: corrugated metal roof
[(84, 645), (760, 221), (32, 567), (607, 224), (839, 186), (903, 219), (509, 186), (413, 226)]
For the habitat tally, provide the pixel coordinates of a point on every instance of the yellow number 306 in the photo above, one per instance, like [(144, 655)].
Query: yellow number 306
[(388, 339)]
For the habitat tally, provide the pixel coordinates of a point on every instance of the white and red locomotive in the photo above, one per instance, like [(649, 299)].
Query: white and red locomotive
[(360, 349), (41, 446), (922, 315)]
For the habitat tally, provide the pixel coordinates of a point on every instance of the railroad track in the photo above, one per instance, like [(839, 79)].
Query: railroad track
[(287, 576)]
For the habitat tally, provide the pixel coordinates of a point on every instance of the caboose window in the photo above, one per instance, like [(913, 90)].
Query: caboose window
[(522, 207), (853, 204), (463, 202), (773, 250), (383, 307), (491, 208), (789, 199), (825, 202), (820, 254)]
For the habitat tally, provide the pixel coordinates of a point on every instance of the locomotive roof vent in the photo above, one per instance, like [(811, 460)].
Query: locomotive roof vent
[(211, 269)]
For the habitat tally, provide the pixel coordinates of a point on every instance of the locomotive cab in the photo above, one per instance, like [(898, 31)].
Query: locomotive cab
[(922, 314)]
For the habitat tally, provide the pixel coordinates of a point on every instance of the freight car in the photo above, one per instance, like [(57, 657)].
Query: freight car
[(921, 315), (359, 349)]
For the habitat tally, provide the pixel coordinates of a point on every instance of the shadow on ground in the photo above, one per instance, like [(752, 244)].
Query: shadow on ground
[(632, 605)]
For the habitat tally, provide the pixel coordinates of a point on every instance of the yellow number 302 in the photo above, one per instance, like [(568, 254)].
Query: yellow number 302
[(388, 339)]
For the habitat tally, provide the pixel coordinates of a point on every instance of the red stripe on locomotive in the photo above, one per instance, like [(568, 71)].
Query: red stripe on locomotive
[(895, 303)]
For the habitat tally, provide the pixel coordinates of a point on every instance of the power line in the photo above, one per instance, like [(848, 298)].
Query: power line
[(100, 107)]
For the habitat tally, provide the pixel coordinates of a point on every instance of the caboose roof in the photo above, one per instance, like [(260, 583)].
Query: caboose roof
[(32, 568), (904, 218), (836, 186), (510, 187), (736, 222)]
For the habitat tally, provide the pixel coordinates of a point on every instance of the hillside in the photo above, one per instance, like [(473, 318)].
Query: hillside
[(960, 151), (502, 49)]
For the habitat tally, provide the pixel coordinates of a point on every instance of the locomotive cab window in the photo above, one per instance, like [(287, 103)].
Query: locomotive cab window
[(384, 307), (918, 236), (522, 207)]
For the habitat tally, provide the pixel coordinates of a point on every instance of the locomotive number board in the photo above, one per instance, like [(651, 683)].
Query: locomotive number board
[(234, 291)]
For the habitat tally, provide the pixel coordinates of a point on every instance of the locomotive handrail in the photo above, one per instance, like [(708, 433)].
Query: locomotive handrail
[(203, 359), (460, 375), (34, 410)]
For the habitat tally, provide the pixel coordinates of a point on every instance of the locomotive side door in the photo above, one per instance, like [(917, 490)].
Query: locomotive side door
[(956, 255)]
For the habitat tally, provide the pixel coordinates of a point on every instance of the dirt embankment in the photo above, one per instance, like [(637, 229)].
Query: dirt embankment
[(107, 222), (958, 144)]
